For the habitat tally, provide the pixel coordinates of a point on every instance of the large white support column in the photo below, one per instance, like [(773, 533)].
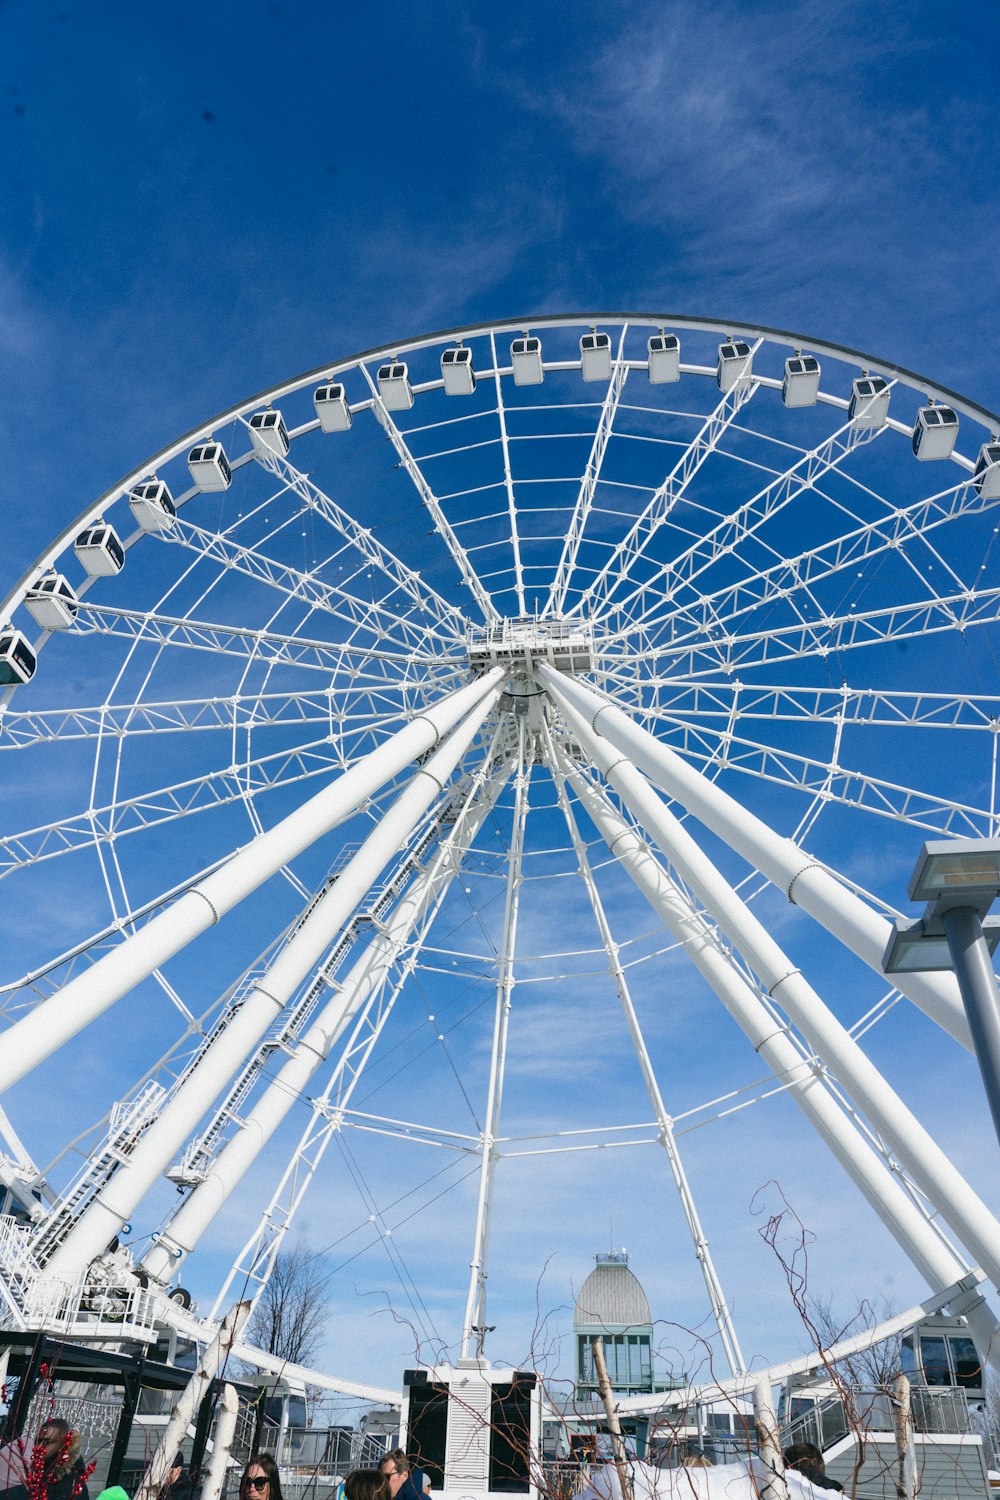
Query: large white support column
[(780, 859), (417, 910), (561, 769), (473, 1331), (919, 1239), (927, 1164), (201, 1205), (37, 1035), (114, 1205)]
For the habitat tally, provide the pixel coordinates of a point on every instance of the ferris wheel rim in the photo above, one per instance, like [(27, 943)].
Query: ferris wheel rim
[(688, 680), (696, 323)]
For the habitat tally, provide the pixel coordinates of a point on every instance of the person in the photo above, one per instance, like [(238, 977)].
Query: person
[(403, 1485), (178, 1484), (367, 1484), (65, 1474), (53, 1465), (115, 1492), (807, 1460), (261, 1480)]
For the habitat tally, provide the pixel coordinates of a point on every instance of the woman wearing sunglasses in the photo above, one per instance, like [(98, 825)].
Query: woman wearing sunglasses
[(261, 1480)]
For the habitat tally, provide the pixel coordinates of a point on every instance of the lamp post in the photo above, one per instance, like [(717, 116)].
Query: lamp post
[(959, 879)]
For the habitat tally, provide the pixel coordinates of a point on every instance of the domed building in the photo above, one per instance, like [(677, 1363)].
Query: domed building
[(611, 1303)]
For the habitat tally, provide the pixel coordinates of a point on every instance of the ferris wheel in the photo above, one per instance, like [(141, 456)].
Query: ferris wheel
[(502, 747)]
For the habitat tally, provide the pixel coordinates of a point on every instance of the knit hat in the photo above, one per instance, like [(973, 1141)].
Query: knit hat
[(114, 1493)]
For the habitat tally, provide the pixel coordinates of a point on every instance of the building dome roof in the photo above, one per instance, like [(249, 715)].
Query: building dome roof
[(612, 1296)]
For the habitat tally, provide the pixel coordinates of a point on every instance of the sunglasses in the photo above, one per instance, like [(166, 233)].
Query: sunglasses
[(253, 1482)]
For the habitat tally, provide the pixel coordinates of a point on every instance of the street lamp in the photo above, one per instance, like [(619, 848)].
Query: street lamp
[(959, 879)]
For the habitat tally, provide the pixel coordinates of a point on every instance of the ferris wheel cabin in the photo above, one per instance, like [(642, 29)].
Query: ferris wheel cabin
[(800, 386), (100, 550), (152, 505), (17, 659), (934, 432), (331, 407), (210, 467), (526, 361), (987, 472), (457, 372), (664, 351), (51, 603), (595, 356), (394, 386), (734, 364), (269, 434), (869, 403)]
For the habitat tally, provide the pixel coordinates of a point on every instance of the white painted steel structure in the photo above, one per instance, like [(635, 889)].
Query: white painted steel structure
[(448, 730)]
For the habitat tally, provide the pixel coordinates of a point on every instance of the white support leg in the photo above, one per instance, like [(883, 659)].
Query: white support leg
[(313, 1048), (927, 1164), (418, 907), (475, 1307), (785, 865), (919, 1239), (106, 1213), (52, 1023), (713, 1286)]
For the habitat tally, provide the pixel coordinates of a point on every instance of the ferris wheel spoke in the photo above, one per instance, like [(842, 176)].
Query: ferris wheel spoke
[(371, 616), (706, 702), (270, 647), (713, 1286), (219, 788), (235, 712), (729, 534), (837, 633), (422, 486), (833, 782), (409, 583), (515, 543), (588, 484), (784, 578), (617, 569), (392, 958)]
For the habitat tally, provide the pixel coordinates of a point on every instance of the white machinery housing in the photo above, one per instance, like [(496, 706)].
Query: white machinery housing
[(475, 1431)]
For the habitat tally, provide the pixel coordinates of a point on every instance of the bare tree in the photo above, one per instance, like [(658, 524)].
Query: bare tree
[(292, 1311), (876, 1365)]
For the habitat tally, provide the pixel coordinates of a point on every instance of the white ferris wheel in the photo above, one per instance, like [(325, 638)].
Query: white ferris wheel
[(503, 747)]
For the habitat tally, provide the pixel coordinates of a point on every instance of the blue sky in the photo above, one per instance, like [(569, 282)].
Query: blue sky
[(200, 200)]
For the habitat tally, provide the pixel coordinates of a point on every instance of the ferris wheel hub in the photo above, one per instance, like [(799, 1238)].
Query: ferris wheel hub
[(523, 641)]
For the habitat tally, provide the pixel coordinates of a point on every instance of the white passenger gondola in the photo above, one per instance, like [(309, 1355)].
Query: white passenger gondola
[(935, 431), (331, 407), (869, 403), (17, 660), (100, 550), (269, 434), (595, 355), (457, 372), (526, 359), (209, 466), (152, 505), (734, 364), (664, 351), (51, 602), (394, 386), (987, 474), (800, 386)]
